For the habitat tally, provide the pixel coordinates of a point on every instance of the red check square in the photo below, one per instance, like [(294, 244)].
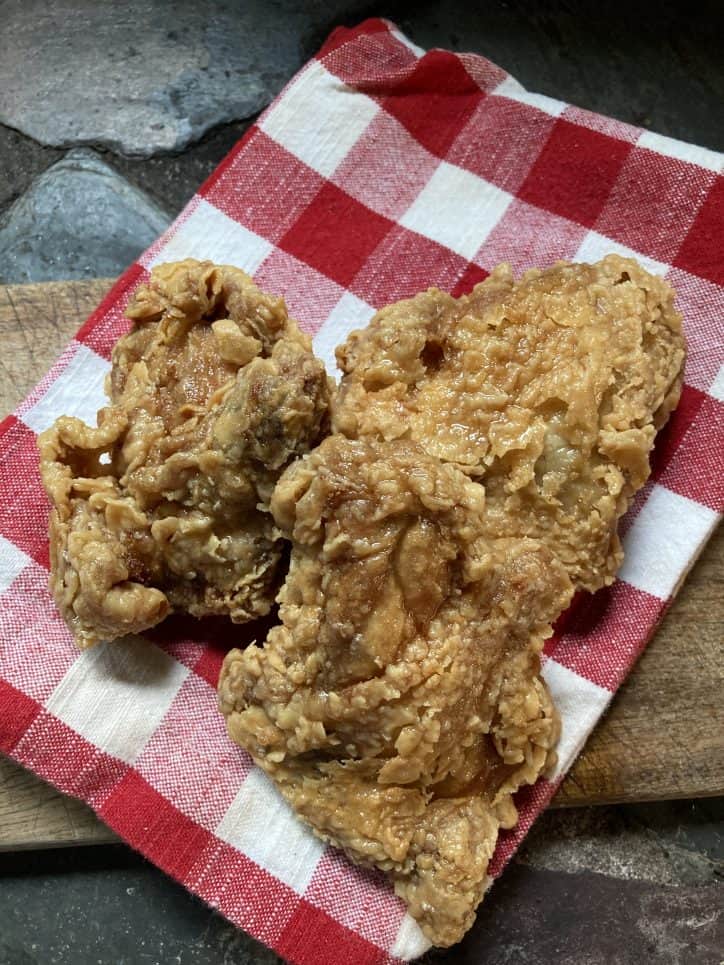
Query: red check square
[(343, 37), (336, 234), (294, 280), (575, 172), (333, 942), (243, 192), (24, 506), (527, 237), (404, 264), (496, 144), (108, 322), (18, 714), (701, 252), (402, 167), (673, 433), (653, 203), (701, 304), (37, 649), (471, 277), (697, 468), (603, 633), (435, 100), (169, 838)]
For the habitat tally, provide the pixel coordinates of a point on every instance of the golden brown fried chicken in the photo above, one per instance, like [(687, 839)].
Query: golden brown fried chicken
[(400, 704), (549, 391), (165, 505)]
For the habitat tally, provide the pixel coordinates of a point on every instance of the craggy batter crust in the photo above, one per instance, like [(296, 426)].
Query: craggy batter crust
[(548, 390), (400, 704), (164, 506), (484, 450)]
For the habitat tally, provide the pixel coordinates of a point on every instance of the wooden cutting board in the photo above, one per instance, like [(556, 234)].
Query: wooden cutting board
[(662, 738)]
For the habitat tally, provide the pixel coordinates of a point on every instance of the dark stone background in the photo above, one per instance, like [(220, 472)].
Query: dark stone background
[(606, 885)]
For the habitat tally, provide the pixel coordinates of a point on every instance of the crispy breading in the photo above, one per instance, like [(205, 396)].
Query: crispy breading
[(548, 390), (165, 505), (400, 704)]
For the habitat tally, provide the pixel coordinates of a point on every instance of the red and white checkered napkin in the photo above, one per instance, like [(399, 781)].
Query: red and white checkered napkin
[(379, 171)]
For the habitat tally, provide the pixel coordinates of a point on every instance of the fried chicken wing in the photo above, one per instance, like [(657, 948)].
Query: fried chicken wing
[(165, 504), (399, 704), (549, 391)]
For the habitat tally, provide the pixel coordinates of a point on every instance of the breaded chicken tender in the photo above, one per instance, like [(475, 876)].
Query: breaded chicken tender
[(548, 390), (400, 704), (164, 506)]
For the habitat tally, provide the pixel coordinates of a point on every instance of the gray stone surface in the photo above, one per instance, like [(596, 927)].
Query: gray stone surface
[(538, 917), (173, 178), (21, 160), (106, 906), (79, 219), (651, 843), (168, 179), (142, 77)]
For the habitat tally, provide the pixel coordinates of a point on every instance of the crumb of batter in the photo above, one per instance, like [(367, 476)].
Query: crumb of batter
[(164, 506)]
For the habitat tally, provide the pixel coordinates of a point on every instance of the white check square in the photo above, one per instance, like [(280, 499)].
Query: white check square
[(78, 391), (12, 563), (596, 246), (457, 209), (261, 824), (702, 156), (580, 703), (117, 694), (319, 118), (664, 541), (210, 235), (410, 942), (514, 91), (348, 314), (717, 386)]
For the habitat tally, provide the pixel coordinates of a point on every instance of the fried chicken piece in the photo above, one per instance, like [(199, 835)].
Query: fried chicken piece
[(165, 505), (399, 704), (485, 449), (549, 391)]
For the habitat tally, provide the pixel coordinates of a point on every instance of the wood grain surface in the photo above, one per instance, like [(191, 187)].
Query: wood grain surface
[(36, 323), (663, 736)]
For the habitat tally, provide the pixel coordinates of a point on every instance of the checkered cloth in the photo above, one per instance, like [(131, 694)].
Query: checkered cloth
[(378, 171)]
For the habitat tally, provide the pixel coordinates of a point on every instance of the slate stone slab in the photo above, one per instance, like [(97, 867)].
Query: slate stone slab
[(536, 917), (21, 160), (79, 219), (142, 78), (664, 843), (106, 906)]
